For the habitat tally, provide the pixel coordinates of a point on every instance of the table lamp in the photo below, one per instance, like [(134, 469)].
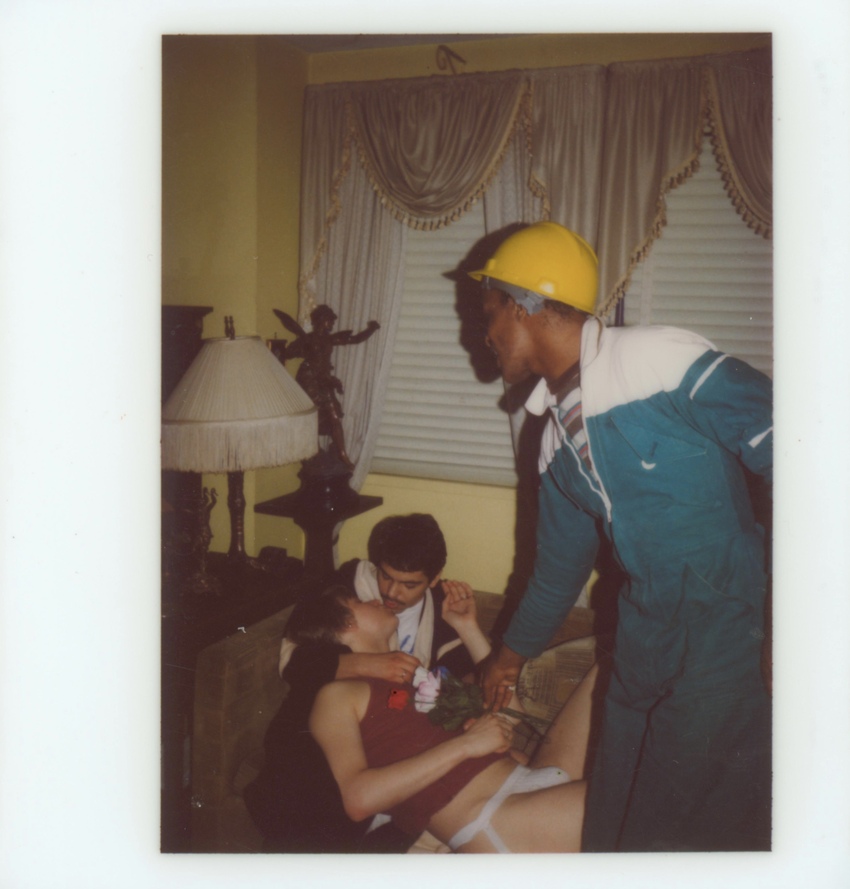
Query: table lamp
[(237, 408)]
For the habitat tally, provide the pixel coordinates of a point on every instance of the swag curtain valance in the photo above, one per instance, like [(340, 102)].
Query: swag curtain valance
[(431, 147), (594, 148)]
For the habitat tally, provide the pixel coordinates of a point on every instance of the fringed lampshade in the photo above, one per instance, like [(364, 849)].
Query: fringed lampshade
[(237, 408)]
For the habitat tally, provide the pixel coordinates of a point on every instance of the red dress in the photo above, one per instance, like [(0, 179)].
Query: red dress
[(391, 732)]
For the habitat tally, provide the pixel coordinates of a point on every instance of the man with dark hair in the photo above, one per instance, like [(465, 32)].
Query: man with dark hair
[(410, 543), (407, 554), (295, 801)]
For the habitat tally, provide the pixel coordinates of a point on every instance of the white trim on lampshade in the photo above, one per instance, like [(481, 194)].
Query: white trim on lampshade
[(237, 408)]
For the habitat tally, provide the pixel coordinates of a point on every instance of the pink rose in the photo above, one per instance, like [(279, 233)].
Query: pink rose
[(427, 691)]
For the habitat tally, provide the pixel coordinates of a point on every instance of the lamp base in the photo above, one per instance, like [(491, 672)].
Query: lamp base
[(201, 584), (186, 544)]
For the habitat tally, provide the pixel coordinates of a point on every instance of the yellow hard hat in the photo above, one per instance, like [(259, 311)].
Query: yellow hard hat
[(548, 261)]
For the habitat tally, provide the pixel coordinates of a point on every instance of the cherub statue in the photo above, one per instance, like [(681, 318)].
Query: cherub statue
[(315, 375)]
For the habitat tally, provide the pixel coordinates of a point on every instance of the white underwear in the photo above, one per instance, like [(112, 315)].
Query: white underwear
[(521, 780)]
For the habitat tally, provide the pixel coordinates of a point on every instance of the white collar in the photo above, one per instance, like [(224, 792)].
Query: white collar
[(540, 400)]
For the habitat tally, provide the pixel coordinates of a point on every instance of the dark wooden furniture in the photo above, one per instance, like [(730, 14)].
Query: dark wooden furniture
[(182, 337), (318, 518), (247, 595)]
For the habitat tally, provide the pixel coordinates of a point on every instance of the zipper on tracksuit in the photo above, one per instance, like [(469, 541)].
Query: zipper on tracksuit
[(600, 489)]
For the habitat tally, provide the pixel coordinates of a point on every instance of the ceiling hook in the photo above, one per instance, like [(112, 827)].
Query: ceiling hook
[(445, 56)]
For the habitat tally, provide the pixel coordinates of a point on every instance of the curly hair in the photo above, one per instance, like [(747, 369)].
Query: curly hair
[(321, 618), (409, 543)]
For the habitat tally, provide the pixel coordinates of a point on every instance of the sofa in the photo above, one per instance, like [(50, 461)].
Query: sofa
[(238, 691)]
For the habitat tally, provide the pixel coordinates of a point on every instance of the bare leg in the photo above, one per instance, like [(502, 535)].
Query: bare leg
[(547, 820), (566, 740)]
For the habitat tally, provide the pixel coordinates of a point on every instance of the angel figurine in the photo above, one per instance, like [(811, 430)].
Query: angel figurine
[(315, 375)]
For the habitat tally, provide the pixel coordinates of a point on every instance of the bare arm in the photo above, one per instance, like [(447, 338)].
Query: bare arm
[(335, 724), (394, 666), (460, 614)]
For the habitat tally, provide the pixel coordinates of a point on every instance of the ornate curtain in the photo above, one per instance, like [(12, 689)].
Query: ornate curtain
[(422, 150), (567, 139), (593, 148), (352, 260), (425, 151)]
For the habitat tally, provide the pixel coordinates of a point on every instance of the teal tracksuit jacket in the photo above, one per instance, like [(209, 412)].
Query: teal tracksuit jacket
[(684, 757)]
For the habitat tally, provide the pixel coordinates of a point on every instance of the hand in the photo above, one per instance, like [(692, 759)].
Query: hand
[(459, 603), (489, 733), (498, 675), (392, 666)]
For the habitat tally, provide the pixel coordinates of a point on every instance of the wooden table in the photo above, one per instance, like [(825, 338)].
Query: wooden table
[(318, 518)]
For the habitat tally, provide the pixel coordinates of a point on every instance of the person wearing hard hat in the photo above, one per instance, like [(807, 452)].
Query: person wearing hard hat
[(650, 432)]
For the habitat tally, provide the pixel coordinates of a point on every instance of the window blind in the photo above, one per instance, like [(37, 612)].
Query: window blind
[(438, 420), (708, 272)]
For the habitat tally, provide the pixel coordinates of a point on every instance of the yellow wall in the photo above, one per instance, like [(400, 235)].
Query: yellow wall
[(231, 178), (231, 164)]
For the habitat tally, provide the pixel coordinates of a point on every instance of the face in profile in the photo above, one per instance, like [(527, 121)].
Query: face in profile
[(507, 336)]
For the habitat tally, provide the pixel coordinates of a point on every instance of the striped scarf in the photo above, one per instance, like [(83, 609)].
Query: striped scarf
[(569, 411)]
